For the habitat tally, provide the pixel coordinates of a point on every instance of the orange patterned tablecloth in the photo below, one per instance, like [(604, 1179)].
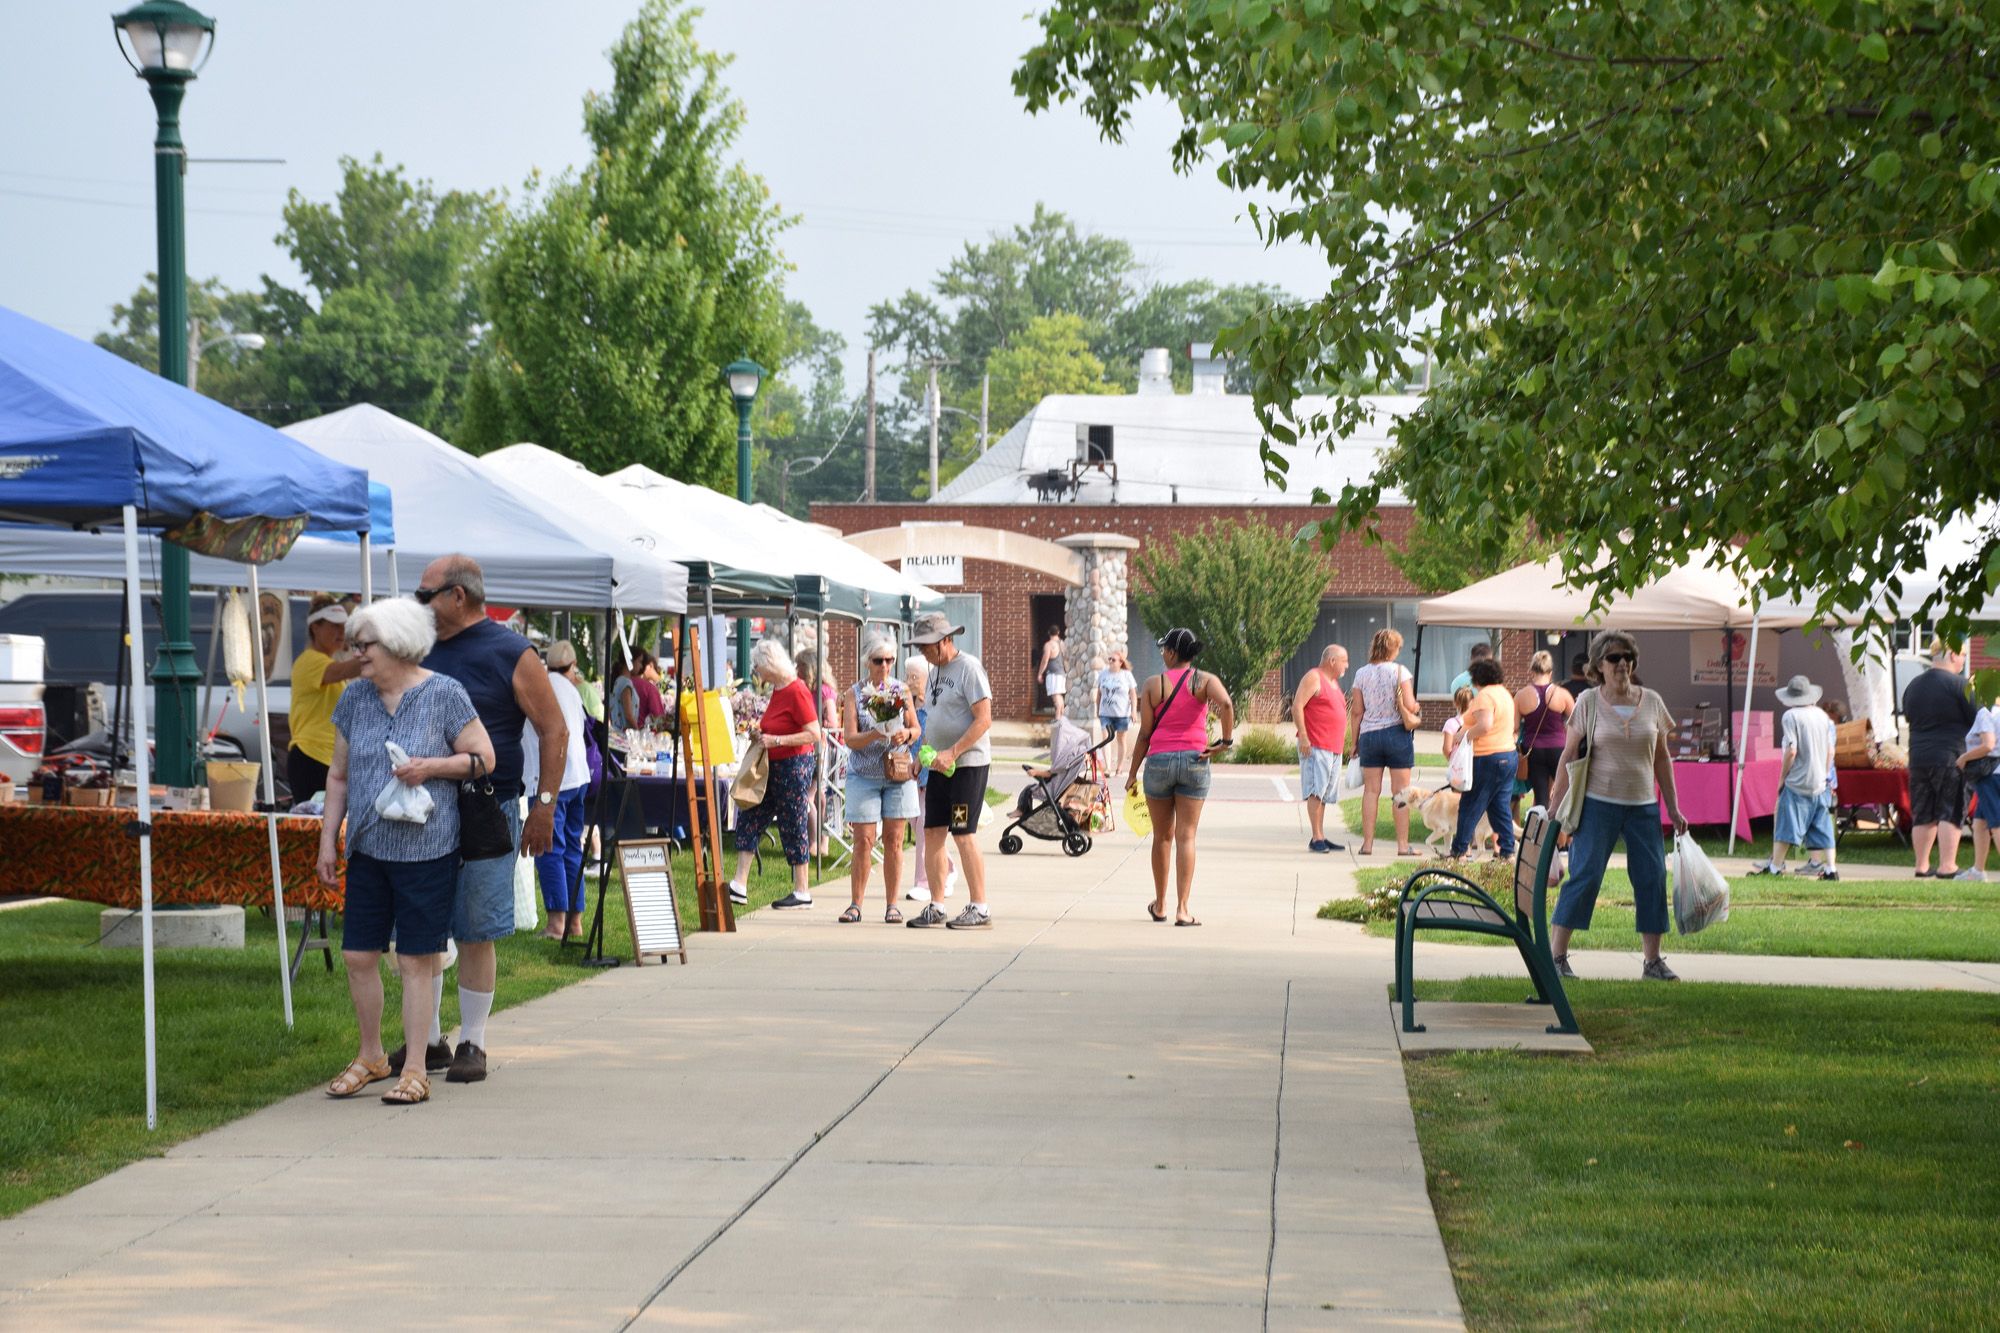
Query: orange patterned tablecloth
[(83, 852)]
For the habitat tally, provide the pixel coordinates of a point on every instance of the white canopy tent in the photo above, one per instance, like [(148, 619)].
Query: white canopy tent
[(648, 577), (1698, 595)]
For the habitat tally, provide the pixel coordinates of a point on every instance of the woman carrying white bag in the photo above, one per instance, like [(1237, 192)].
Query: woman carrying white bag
[(1618, 748)]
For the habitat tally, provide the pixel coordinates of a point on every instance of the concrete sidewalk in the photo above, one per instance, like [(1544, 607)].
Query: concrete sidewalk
[(1078, 1119)]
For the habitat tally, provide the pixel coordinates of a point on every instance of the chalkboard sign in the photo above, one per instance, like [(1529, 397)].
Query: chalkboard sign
[(649, 900)]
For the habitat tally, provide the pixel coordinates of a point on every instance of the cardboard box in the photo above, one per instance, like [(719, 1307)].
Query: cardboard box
[(88, 796)]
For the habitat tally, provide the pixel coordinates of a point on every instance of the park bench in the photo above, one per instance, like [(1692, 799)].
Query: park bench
[(1437, 899)]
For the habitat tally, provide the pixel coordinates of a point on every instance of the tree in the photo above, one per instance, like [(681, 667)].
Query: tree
[(391, 312), (1051, 355), (1444, 557), (1173, 315), (228, 374), (1702, 271), (808, 429), (619, 294), (1249, 592)]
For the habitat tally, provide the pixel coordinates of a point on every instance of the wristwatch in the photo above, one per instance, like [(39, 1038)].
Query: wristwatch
[(545, 798)]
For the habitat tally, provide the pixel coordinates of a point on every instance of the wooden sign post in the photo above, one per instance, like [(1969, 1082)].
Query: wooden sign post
[(646, 869), (704, 823)]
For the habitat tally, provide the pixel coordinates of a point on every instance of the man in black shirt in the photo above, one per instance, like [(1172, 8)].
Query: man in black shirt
[(1577, 682), (1940, 709)]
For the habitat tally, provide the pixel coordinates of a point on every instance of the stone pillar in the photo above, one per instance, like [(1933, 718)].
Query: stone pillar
[(1095, 613)]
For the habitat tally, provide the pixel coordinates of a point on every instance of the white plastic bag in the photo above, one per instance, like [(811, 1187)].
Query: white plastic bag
[(527, 902), (1350, 777), (1701, 894), (408, 805), (1459, 771)]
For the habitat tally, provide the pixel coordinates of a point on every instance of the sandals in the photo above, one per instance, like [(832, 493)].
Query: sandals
[(357, 1076), (409, 1090), (1155, 914), (1189, 922), (894, 916), (851, 915)]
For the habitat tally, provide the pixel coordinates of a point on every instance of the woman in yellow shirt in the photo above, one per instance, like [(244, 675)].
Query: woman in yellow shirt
[(317, 681), (1490, 727)]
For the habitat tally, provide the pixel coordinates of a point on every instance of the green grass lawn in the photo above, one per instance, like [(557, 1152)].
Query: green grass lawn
[(1852, 919), (72, 1071), (1730, 1157), (1856, 849)]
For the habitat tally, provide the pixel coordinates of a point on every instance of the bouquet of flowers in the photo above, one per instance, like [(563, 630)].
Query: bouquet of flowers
[(884, 702), (749, 705)]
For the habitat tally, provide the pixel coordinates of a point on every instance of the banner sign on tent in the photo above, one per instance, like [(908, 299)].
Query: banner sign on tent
[(1712, 666)]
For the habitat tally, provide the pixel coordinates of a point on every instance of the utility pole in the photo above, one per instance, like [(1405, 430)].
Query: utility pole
[(868, 440), (985, 385), (931, 405)]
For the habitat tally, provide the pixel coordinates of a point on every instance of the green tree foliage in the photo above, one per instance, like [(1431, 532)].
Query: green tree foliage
[(1702, 269), (1173, 315), (1249, 592), (1051, 355), (1443, 556), (228, 374), (622, 290), (809, 429), (391, 312)]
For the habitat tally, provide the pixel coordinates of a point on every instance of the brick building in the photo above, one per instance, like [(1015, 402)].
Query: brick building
[(1020, 539)]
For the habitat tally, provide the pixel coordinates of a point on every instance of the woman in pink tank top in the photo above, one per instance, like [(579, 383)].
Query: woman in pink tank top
[(1173, 749)]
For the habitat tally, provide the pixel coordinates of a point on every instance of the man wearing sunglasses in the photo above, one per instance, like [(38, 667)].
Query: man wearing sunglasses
[(510, 689)]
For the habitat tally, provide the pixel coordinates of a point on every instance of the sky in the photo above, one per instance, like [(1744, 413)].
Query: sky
[(888, 126)]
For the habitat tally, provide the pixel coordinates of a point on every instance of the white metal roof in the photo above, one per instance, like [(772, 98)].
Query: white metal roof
[(1179, 448)]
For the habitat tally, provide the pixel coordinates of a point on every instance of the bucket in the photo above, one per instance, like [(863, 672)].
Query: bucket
[(232, 785)]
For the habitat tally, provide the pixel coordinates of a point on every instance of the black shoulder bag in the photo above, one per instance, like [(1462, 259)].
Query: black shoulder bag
[(483, 832)]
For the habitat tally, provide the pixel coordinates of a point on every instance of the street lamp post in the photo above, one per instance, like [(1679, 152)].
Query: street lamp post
[(744, 376), (167, 43), (249, 342)]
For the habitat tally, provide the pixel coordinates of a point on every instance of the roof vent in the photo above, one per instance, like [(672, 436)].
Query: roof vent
[(1156, 372), (1211, 372)]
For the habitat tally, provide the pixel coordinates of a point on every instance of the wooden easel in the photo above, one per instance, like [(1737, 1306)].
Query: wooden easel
[(704, 820)]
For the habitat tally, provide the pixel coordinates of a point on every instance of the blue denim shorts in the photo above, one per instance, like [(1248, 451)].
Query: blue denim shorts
[(1388, 747), (485, 909), (1113, 724), (409, 901), (872, 800), (1802, 821), (1319, 776), (1177, 773)]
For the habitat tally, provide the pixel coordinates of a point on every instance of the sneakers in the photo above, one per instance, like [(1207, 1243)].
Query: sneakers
[(972, 918), (1657, 970), (468, 1064), (950, 880), (1563, 969), (739, 897), (792, 900), (437, 1057), (1323, 845), (932, 915), (917, 893), (1971, 876), (1826, 875), (1813, 868), (1766, 868)]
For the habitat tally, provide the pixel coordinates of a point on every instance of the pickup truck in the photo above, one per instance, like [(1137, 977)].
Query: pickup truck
[(22, 722)]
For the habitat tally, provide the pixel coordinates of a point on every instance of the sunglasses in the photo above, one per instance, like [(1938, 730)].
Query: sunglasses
[(425, 596), (883, 661), (1613, 659)]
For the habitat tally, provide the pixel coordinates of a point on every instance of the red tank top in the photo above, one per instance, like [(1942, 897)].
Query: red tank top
[(1326, 715)]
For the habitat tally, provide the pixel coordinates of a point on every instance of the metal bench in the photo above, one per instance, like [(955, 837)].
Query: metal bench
[(1434, 899)]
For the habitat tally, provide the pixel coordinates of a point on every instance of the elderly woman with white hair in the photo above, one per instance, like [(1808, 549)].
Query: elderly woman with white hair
[(917, 677), (878, 716), (791, 733), (402, 874)]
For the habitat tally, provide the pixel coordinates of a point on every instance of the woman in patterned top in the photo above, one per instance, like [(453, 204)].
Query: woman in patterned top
[(401, 876)]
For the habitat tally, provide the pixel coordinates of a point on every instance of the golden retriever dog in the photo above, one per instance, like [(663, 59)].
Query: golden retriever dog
[(1439, 810)]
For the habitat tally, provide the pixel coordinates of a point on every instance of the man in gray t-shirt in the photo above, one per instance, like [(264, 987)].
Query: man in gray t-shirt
[(958, 715)]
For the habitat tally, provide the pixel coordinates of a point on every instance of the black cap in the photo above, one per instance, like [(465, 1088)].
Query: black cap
[(1181, 643)]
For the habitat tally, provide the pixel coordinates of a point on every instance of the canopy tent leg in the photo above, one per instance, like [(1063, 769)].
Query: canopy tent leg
[(1417, 660), (208, 716), (395, 583), (1743, 730), (271, 793), (820, 832), (367, 573), (141, 763)]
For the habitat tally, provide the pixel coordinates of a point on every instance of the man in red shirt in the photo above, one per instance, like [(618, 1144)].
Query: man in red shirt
[(1319, 710)]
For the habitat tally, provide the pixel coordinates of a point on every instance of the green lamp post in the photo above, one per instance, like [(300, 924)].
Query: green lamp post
[(167, 43), (744, 376)]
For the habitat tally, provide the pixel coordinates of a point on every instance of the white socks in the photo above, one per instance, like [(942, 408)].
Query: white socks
[(437, 1007), (473, 1007)]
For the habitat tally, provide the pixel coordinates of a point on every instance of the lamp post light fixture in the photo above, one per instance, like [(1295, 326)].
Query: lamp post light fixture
[(166, 43), (744, 377), (249, 342)]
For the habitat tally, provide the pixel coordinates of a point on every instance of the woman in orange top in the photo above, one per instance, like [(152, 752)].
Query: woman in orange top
[(1490, 727)]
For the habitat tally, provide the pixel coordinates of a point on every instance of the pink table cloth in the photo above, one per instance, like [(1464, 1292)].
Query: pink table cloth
[(1705, 792)]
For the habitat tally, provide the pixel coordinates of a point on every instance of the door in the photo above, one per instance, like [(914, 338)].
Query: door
[(1045, 613)]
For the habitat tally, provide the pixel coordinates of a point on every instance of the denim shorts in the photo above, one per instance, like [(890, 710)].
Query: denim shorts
[(872, 800), (1177, 773), (1388, 747), (1319, 776), (1988, 792), (1112, 724), (1802, 821), (485, 909), (407, 900)]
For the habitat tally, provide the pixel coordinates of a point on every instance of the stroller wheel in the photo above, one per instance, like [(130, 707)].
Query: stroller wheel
[(1076, 844), (1010, 843)]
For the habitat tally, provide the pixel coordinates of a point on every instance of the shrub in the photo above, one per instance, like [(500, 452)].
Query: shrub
[(1262, 745)]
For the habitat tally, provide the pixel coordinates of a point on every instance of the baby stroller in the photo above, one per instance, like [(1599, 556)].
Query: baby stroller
[(1049, 807)]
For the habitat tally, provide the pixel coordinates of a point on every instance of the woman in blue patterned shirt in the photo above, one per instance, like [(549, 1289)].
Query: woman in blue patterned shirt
[(401, 876)]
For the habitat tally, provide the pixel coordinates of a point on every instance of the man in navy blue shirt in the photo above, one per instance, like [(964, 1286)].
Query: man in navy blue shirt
[(510, 688)]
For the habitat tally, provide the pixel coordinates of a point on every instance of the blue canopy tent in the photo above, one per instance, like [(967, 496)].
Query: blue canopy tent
[(87, 439)]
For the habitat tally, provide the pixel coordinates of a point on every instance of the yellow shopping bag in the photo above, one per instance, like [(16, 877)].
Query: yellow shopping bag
[(1137, 817)]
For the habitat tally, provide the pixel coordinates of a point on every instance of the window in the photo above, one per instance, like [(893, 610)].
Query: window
[(1444, 651)]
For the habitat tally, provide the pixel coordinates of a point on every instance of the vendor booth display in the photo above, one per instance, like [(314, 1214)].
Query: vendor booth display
[(89, 439), (199, 856)]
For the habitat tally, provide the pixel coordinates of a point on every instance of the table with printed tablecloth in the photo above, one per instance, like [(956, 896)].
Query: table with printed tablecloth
[(84, 852), (1705, 792)]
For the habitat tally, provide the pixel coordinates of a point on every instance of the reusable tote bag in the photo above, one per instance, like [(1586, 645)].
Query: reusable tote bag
[(1568, 813)]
